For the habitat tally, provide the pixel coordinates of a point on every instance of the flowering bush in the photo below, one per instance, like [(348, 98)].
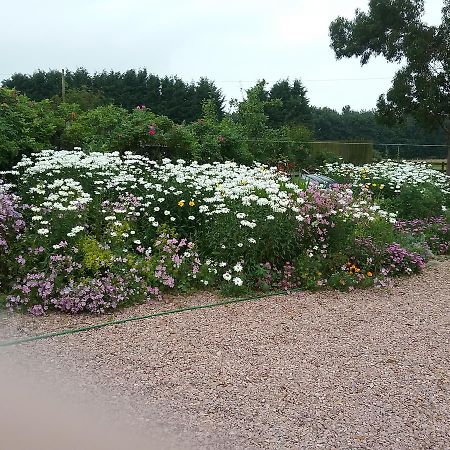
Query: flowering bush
[(412, 189), (11, 228), (401, 261), (388, 176), (434, 231), (104, 229)]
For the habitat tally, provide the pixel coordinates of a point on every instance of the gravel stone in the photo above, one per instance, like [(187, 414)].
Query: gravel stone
[(367, 369)]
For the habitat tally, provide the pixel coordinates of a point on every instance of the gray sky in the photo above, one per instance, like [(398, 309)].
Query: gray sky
[(233, 42)]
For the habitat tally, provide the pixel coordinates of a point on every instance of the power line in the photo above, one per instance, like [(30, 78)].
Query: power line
[(308, 80), (275, 81)]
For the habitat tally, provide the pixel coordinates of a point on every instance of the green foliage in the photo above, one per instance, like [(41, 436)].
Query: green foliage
[(274, 240), (29, 126), (342, 235), (379, 232), (94, 256), (251, 111), (298, 133), (219, 140), (244, 137), (110, 128), (417, 201), (25, 126), (294, 109), (168, 96), (266, 144), (310, 271), (319, 156), (363, 126), (345, 281), (85, 98), (132, 132), (284, 106), (299, 148), (181, 143), (96, 129), (395, 30), (39, 86)]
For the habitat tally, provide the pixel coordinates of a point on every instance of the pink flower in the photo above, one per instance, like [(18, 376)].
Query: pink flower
[(151, 130), (21, 260)]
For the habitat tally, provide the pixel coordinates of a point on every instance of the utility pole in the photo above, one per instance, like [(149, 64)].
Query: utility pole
[(63, 86)]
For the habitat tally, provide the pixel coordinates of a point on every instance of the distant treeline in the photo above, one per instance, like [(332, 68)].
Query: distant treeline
[(168, 96), (286, 104), (362, 126)]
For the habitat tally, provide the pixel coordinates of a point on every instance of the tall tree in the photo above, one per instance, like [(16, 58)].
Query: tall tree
[(153, 96), (80, 79), (294, 110), (205, 90), (395, 30), (170, 96), (109, 84), (39, 86), (175, 99), (350, 125)]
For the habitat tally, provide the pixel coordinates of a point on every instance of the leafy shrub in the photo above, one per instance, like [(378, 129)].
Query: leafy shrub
[(25, 126), (346, 280), (412, 190), (11, 228), (96, 129), (418, 201), (91, 124), (401, 261), (433, 232)]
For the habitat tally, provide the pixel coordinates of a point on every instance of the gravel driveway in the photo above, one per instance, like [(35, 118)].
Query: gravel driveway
[(362, 370)]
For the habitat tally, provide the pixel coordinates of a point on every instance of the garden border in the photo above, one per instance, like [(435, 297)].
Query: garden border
[(149, 316)]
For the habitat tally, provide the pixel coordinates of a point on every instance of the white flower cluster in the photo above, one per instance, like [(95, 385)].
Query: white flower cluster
[(56, 180), (62, 194), (395, 174), (68, 181)]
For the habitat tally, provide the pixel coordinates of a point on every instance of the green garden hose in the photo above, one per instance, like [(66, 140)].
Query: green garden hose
[(149, 316)]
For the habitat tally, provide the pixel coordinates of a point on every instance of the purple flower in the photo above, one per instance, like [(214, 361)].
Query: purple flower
[(21, 260), (37, 310)]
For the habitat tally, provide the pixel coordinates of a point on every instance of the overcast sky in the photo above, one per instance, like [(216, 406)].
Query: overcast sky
[(233, 42)]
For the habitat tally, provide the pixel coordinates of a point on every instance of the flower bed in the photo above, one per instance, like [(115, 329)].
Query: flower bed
[(412, 189), (93, 231)]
